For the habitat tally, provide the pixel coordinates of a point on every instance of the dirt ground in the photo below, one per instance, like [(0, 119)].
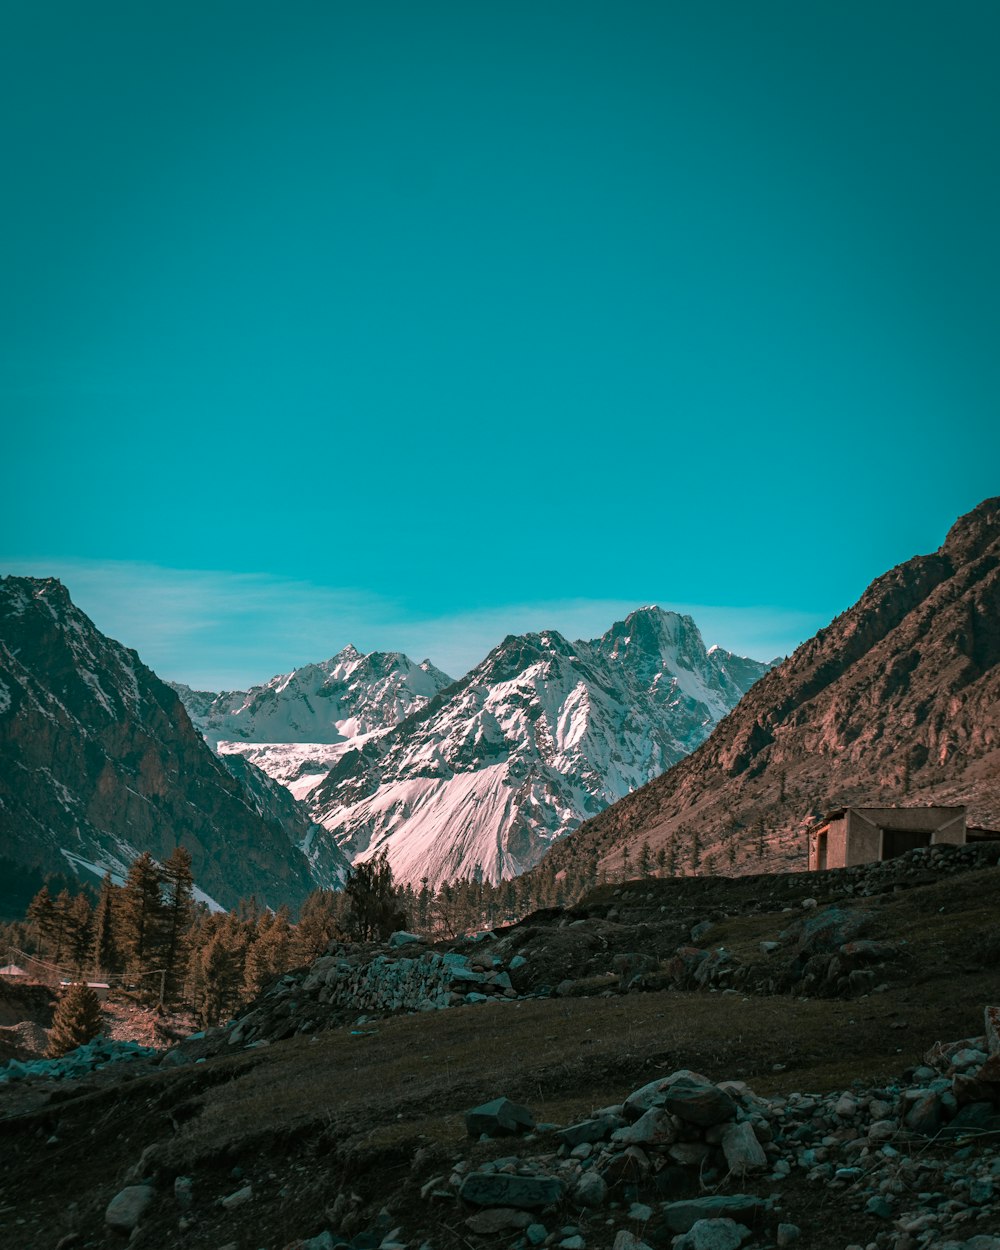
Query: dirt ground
[(331, 1129)]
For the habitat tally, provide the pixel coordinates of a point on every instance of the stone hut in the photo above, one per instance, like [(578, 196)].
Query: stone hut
[(861, 835)]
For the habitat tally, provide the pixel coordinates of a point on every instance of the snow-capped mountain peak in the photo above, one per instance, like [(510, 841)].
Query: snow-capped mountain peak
[(539, 735)]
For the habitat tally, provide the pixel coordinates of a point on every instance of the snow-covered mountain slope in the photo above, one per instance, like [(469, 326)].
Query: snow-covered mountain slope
[(99, 761), (542, 734), (334, 701)]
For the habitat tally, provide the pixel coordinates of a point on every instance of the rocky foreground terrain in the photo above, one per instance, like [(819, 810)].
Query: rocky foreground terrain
[(695, 1064)]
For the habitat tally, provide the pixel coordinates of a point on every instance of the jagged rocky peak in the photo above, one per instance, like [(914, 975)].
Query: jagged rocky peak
[(332, 701), (973, 534), (539, 735)]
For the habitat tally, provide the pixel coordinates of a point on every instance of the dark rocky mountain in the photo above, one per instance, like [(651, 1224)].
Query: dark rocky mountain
[(896, 701), (101, 762)]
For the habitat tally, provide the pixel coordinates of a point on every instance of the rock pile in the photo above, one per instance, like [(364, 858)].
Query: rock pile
[(92, 1057), (347, 981)]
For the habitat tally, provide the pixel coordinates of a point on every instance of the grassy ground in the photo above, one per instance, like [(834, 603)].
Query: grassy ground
[(317, 1123)]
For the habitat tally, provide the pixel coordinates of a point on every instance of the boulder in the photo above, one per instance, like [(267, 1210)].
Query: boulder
[(679, 1217), (655, 1127), (591, 1190), (713, 1235), (493, 1220), (588, 1131), (499, 1118), (127, 1206), (655, 1093), (402, 938), (697, 1101), (502, 1189), (743, 1151)]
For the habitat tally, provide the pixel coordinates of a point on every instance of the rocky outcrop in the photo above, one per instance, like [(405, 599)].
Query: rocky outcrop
[(101, 762)]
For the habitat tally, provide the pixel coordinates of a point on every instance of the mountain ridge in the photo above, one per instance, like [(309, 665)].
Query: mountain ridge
[(896, 700), (542, 732), (101, 762)]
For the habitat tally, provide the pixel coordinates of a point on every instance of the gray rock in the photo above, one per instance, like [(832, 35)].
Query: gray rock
[(591, 1189), (536, 1234), (502, 1189), (576, 1242), (654, 1127), (654, 1094), (499, 1118), (127, 1206), (699, 1102), (238, 1198), (497, 1219), (624, 1240), (402, 938), (182, 1192), (587, 1131), (712, 1235), (743, 1151), (678, 1217), (787, 1235), (925, 1114)]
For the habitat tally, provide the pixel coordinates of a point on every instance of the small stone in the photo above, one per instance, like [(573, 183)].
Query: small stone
[(575, 1242), (499, 1118), (497, 1219), (624, 1240), (536, 1233), (182, 1192), (788, 1234), (126, 1208), (639, 1212), (720, 1234)]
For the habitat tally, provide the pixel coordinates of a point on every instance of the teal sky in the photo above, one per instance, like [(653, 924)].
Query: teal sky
[(406, 324)]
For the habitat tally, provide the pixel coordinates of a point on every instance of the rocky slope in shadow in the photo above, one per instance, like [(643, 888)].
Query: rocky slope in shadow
[(101, 762)]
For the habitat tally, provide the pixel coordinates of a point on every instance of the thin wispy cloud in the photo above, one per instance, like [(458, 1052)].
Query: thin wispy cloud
[(218, 629)]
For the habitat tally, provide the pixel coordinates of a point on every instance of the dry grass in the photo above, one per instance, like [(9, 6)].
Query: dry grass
[(313, 1120)]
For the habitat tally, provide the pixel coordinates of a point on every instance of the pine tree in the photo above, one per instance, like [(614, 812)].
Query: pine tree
[(178, 907), (319, 924), (103, 952), (77, 1020), (40, 914), (268, 955), (79, 930), (645, 860), (695, 850), (216, 980), (661, 861), (141, 914), (375, 906)]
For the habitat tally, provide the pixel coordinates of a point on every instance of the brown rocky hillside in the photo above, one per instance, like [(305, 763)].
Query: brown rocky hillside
[(896, 701)]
